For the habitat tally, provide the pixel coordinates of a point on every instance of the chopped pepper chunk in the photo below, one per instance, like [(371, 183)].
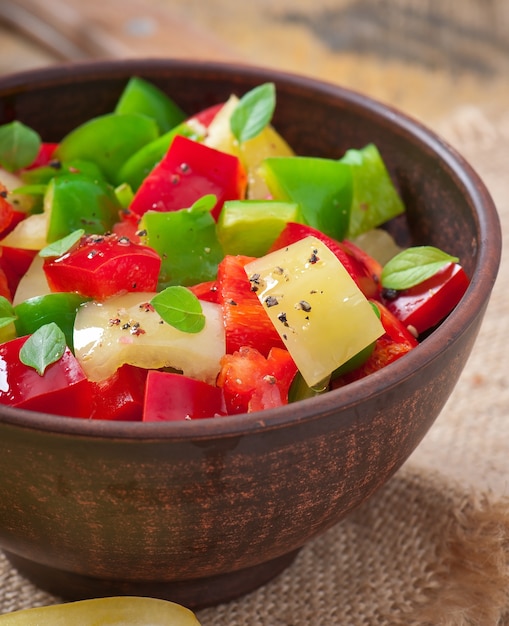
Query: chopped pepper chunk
[(63, 390), (102, 266), (189, 171), (318, 310)]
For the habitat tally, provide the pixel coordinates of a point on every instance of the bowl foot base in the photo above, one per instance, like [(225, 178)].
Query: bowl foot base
[(194, 593)]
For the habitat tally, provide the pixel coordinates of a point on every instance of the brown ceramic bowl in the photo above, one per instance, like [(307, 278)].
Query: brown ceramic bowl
[(201, 512)]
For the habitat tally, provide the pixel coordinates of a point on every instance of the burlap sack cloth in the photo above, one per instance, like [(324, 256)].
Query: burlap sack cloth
[(432, 548)]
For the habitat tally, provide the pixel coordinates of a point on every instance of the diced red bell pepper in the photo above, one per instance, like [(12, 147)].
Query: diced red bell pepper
[(127, 226), (100, 266), (15, 263), (6, 211), (428, 303), (251, 382), (62, 390), (189, 171), (173, 397), (365, 270), (395, 343), (45, 155), (394, 327), (206, 116), (10, 272), (121, 396), (16, 218), (246, 321), (206, 291), (4, 286)]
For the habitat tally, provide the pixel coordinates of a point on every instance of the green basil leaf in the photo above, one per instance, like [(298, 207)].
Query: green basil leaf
[(44, 347), (7, 315), (413, 266), (205, 204), (60, 247), (19, 145), (180, 308), (253, 112)]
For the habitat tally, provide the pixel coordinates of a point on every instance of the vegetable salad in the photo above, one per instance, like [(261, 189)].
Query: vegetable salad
[(159, 265)]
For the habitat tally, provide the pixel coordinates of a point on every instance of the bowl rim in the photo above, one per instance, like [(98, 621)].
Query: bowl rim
[(464, 315)]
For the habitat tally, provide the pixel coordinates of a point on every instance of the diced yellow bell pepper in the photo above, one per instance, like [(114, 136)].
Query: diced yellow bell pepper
[(127, 329), (322, 316), (268, 143)]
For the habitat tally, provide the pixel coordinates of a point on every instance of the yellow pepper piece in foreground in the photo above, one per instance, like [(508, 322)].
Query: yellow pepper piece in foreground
[(114, 611)]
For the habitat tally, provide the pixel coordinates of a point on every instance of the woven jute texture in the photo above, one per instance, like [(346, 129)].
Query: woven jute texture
[(432, 547)]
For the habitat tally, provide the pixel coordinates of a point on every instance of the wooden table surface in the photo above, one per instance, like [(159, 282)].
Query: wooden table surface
[(425, 57)]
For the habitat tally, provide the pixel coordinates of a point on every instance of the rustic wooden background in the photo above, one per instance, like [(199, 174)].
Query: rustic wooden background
[(425, 56)]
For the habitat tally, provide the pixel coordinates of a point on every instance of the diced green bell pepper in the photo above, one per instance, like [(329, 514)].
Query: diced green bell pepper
[(375, 198), (124, 195), (37, 179), (300, 390), (250, 227), (60, 308), (141, 163), (75, 202), (322, 187), (42, 175), (140, 96), (187, 243), (108, 140)]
